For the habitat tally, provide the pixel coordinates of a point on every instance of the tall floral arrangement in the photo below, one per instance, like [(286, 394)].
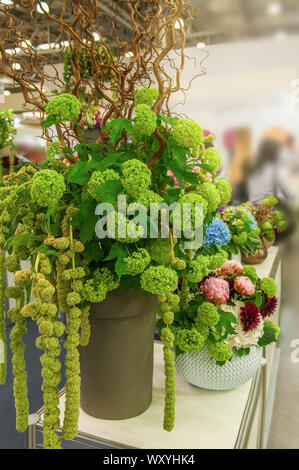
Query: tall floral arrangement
[(48, 216)]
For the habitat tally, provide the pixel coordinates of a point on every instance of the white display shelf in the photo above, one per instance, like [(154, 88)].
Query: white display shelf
[(204, 419)]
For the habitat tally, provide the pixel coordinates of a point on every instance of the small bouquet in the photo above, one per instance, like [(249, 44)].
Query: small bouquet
[(231, 311), (243, 227), (270, 221)]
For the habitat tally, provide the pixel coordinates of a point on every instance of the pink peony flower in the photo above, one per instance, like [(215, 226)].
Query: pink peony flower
[(216, 290), (230, 267), (244, 285), (169, 173)]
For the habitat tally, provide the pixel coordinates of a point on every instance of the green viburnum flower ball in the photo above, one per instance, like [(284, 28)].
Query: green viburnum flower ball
[(137, 262), (271, 324), (146, 120), (64, 107), (268, 286), (148, 197), (220, 351), (207, 315), (160, 250), (217, 260), (198, 268), (93, 291), (250, 272), (98, 178), (159, 280), (47, 187), (106, 277), (136, 177), (187, 134), (209, 192), (241, 238), (225, 191), (189, 340), (212, 158), (122, 229), (53, 150), (146, 96)]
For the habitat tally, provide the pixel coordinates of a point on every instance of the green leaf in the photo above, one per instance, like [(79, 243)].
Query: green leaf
[(28, 287), (83, 151), (21, 240), (169, 120), (111, 186), (182, 175), (78, 173), (130, 282), (110, 189), (232, 247), (116, 128), (172, 195), (86, 219), (268, 337), (50, 214), (226, 322), (94, 250), (49, 121), (242, 351), (220, 363), (119, 252), (47, 250)]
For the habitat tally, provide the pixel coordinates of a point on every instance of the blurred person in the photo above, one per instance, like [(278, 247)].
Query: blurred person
[(271, 174), (238, 143)]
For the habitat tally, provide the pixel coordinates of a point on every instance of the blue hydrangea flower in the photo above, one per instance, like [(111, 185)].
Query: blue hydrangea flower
[(217, 232), (253, 222)]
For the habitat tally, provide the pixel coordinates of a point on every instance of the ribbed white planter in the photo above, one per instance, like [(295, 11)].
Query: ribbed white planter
[(199, 369)]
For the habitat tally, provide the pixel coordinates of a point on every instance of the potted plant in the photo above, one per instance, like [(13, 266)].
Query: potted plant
[(49, 218), (220, 336), (270, 220), (245, 233)]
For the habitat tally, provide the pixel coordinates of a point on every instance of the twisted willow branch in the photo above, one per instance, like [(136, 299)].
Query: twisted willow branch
[(134, 58)]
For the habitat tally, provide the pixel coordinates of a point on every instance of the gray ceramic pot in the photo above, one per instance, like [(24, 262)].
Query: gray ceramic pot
[(117, 364)]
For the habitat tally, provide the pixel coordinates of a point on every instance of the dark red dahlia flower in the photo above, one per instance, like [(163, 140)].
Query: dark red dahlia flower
[(249, 317), (269, 307)]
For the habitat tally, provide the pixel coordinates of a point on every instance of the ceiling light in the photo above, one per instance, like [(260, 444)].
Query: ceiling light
[(64, 43), (129, 54), (43, 8), (96, 36), (179, 23), (201, 45), (6, 93), (274, 8), (16, 66)]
